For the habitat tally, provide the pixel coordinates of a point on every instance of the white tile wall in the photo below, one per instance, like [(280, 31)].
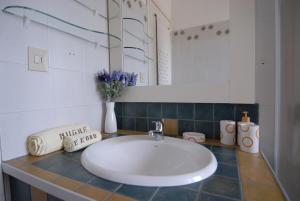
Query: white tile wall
[(33, 101)]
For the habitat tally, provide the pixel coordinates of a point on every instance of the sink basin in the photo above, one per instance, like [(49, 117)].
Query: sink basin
[(143, 161)]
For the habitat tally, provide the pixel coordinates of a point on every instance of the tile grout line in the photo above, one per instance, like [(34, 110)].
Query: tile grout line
[(112, 193), (194, 116), (199, 190), (154, 194), (134, 108), (220, 196), (161, 113), (239, 174), (234, 112), (214, 129)]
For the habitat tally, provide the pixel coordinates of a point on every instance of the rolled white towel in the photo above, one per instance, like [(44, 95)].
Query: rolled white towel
[(51, 140), (77, 142)]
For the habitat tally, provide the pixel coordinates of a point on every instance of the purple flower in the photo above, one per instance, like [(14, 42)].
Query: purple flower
[(112, 84), (104, 77), (132, 78)]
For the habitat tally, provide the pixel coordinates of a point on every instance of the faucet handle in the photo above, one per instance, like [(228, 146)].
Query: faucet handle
[(158, 125)]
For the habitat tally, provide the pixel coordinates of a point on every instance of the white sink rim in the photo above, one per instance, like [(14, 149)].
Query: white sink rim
[(146, 180)]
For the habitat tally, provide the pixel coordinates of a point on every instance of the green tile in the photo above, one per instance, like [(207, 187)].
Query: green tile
[(105, 184), (58, 159), (169, 110), (141, 109), (154, 110), (223, 112), (217, 130), (119, 122), (205, 127), (204, 111), (226, 158), (71, 169), (185, 111), (194, 186), (119, 109), (223, 150), (211, 197), (222, 186), (129, 109), (76, 156), (141, 124), (185, 126), (128, 123), (227, 170), (137, 192), (175, 194)]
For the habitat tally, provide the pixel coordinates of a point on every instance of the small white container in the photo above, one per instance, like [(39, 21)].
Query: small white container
[(250, 140), (243, 129), (227, 132), (194, 137)]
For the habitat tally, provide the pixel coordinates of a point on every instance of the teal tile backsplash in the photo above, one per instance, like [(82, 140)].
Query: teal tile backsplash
[(186, 111), (198, 117), (169, 110)]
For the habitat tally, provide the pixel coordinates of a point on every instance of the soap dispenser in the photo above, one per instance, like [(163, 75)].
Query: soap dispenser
[(248, 135), (245, 117), (244, 126)]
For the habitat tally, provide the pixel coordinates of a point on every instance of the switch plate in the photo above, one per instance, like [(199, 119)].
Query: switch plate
[(142, 77), (37, 59)]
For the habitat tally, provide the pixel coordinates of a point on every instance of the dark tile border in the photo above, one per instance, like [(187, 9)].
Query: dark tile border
[(130, 115)]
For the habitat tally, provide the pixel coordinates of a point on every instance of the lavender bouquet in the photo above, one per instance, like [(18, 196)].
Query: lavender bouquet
[(112, 84)]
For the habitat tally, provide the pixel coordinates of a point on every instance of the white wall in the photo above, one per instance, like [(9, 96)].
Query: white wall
[(33, 101), (265, 75), (242, 51), (192, 13), (165, 7)]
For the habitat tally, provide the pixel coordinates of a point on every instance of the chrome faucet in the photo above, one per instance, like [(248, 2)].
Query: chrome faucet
[(158, 133)]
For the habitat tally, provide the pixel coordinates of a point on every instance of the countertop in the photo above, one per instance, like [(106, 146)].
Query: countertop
[(254, 175)]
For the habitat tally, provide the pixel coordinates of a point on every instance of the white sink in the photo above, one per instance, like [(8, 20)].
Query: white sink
[(140, 160)]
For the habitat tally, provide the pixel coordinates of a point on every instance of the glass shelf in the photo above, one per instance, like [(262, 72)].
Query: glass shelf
[(117, 10), (135, 58), (141, 23), (90, 9), (144, 41), (144, 58), (133, 19), (99, 38), (135, 48)]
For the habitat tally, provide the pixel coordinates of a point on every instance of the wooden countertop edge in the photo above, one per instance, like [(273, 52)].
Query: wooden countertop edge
[(258, 181)]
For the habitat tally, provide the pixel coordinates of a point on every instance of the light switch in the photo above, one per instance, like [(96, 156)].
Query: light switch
[(37, 59), (142, 77)]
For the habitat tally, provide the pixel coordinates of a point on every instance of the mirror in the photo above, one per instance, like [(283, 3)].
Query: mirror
[(171, 42)]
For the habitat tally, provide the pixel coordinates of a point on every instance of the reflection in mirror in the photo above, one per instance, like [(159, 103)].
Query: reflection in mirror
[(171, 42)]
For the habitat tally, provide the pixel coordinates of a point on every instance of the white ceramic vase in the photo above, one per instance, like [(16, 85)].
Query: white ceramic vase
[(110, 118)]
